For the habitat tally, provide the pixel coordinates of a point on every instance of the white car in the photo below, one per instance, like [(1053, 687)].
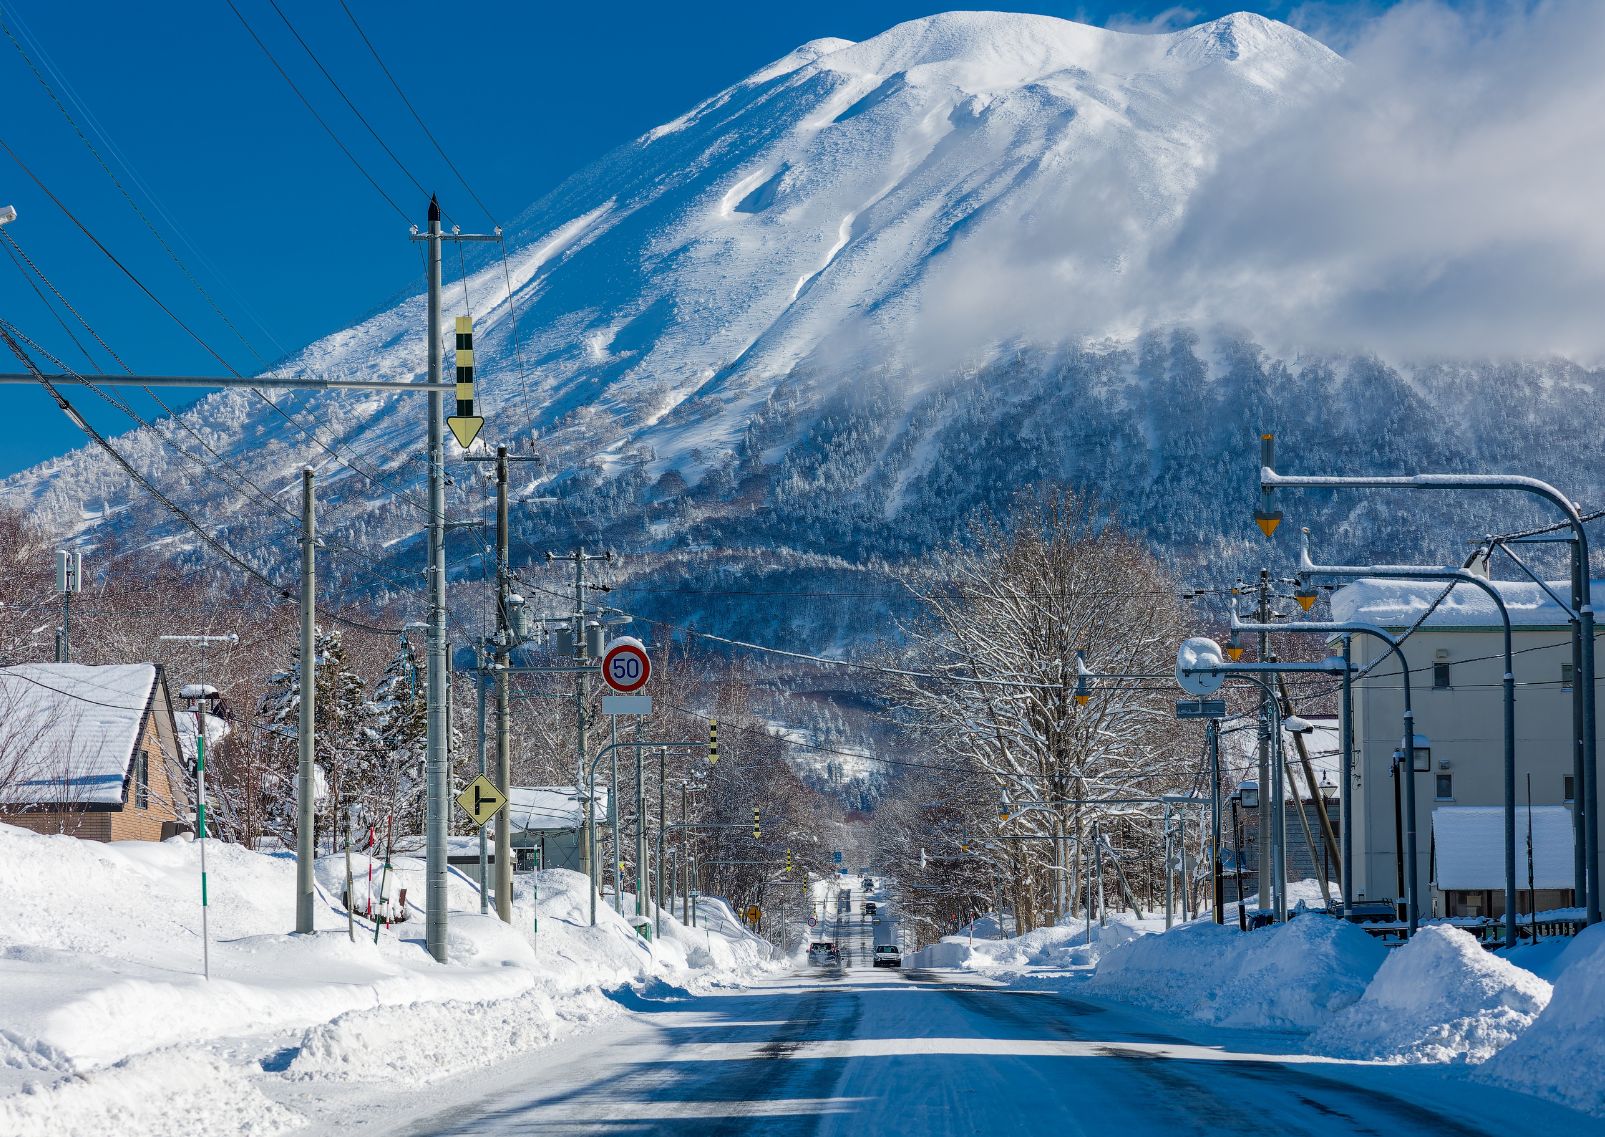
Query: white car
[(888, 955)]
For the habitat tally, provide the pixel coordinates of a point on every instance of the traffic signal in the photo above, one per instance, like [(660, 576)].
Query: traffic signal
[(757, 823), (713, 741)]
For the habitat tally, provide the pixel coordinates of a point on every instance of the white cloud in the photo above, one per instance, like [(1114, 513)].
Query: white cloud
[(1447, 200)]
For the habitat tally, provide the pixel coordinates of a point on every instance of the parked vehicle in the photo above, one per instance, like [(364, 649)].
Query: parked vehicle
[(888, 955)]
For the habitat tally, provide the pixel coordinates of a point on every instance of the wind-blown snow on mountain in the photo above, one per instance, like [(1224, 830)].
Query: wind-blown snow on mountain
[(816, 320)]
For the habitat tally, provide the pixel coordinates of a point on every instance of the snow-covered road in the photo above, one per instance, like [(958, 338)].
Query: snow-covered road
[(921, 1052)]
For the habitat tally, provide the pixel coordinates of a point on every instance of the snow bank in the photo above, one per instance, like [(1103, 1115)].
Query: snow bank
[(1289, 977), (149, 1096), (1064, 945), (1438, 998), (100, 961), (1562, 1054)]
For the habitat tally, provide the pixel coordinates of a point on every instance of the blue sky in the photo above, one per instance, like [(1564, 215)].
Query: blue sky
[(286, 234)]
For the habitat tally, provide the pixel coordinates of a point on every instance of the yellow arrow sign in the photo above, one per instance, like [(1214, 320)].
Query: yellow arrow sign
[(465, 429), (481, 800)]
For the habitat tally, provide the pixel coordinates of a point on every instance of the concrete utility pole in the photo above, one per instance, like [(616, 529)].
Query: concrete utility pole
[(69, 579), (584, 649), (435, 762), (508, 637), (1266, 860), (504, 755), (306, 725)]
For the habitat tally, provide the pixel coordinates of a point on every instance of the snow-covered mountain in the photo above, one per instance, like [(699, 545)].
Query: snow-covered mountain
[(816, 320)]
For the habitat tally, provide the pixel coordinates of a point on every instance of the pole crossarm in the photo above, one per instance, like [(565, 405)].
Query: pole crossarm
[(1587, 746)]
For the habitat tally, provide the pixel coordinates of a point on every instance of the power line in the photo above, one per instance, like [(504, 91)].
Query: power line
[(375, 479), (341, 92), (200, 531), (327, 129), (416, 117)]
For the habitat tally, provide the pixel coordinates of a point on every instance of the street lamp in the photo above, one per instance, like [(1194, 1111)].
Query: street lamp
[(1392, 644), (1583, 606), (1455, 576)]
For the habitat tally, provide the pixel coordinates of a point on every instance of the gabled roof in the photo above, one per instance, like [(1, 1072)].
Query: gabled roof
[(551, 807), (74, 729), (1399, 603)]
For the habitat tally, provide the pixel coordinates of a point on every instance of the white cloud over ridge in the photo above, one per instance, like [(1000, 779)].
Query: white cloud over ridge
[(1446, 200)]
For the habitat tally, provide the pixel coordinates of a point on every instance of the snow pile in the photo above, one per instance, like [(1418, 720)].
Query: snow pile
[(1562, 1054), (1064, 945), (1290, 977), (149, 1095), (100, 980), (1439, 998)]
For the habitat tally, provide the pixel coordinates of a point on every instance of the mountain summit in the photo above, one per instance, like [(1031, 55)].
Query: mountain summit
[(841, 303)]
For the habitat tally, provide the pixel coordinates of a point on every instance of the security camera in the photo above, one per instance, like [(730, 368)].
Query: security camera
[(8, 214)]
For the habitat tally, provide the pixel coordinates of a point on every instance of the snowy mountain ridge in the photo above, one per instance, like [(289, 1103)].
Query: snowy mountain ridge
[(828, 312)]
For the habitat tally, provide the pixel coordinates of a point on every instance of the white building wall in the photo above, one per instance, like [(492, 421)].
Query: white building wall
[(1465, 725)]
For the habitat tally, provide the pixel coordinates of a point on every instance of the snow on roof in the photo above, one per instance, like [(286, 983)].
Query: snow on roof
[(1399, 603), (1241, 755), (551, 807), (1469, 846), (75, 728)]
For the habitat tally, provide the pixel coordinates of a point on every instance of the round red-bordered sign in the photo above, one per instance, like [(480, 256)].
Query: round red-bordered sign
[(626, 667)]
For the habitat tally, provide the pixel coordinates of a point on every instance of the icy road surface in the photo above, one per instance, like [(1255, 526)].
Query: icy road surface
[(882, 1053)]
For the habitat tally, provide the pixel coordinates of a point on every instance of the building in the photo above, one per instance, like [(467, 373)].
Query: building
[(547, 823), (89, 751), (1456, 670)]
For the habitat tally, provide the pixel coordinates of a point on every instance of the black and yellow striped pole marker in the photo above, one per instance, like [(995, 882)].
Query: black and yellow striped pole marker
[(713, 741), (757, 824), (465, 424)]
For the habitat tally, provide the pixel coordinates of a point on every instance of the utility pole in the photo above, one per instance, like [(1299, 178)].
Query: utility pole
[(509, 634), (306, 725), (504, 756), (69, 579), (584, 649), (640, 826), (464, 428)]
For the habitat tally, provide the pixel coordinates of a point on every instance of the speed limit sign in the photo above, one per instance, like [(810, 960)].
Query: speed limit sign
[(626, 667)]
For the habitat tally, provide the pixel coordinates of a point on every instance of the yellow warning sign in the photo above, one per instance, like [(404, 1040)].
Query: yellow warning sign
[(481, 800)]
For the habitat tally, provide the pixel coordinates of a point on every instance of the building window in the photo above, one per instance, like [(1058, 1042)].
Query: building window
[(1440, 674), (1566, 676), (1570, 788), (141, 780), (1446, 787)]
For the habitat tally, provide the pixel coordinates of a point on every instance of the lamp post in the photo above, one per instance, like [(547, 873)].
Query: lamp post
[(1307, 568), (1347, 629), (1583, 690), (1201, 668)]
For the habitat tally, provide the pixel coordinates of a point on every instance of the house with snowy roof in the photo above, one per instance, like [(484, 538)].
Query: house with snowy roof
[(1456, 660), (546, 824), (91, 752)]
